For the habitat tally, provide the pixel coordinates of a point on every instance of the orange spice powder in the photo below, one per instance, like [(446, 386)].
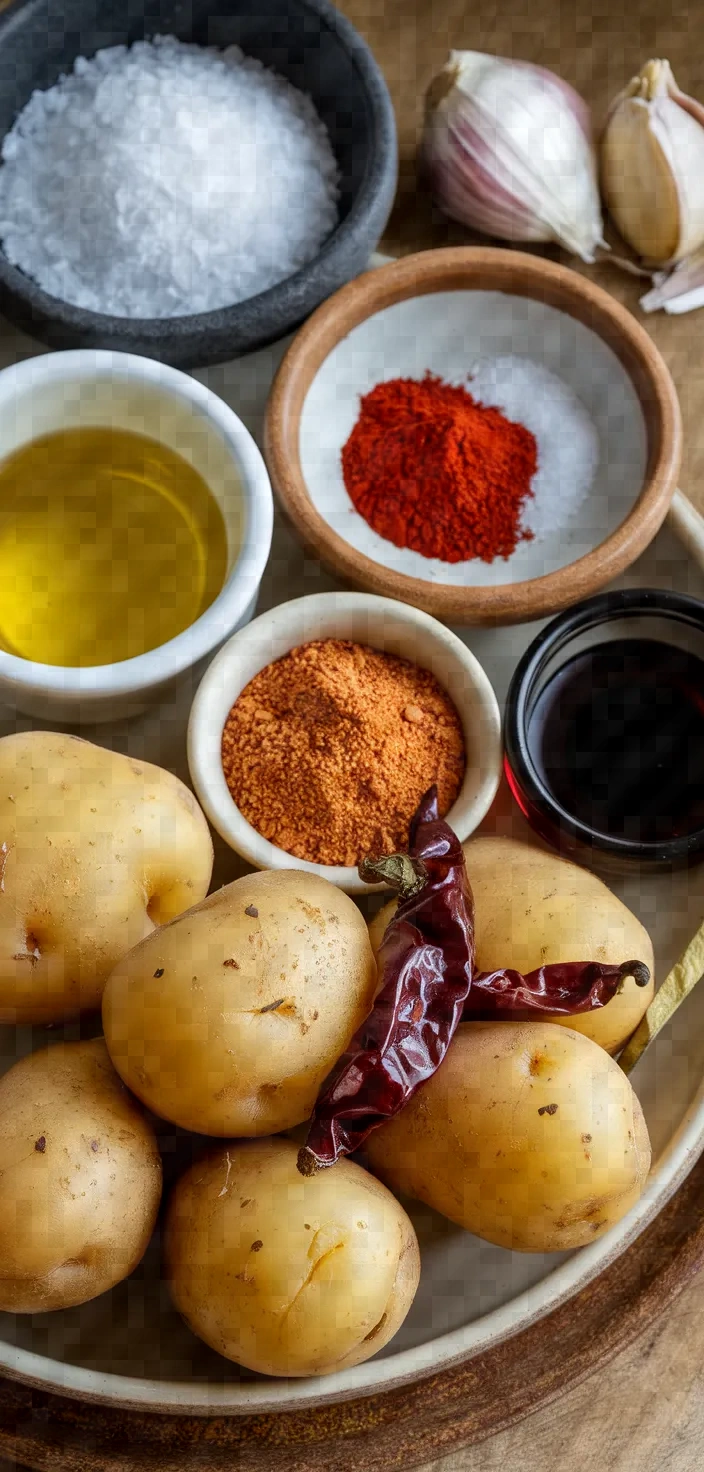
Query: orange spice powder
[(328, 751)]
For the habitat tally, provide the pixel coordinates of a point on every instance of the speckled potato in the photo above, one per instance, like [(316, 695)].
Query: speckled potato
[(528, 1135), (227, 1021), (533, 908), (286, 1275), (80, 1179), (97, 848)]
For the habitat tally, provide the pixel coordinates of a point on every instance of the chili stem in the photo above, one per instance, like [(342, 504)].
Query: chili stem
[(401, 872), (677, 985)]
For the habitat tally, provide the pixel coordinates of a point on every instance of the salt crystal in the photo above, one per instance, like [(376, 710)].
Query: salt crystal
[(566, 437), (164, 180)]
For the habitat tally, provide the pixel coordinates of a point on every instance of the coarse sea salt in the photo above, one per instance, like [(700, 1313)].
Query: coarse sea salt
[(166, 179), (566, 436)]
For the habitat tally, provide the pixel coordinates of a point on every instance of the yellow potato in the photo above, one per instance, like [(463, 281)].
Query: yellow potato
[(379, 922), (227, 1021), (97, 848), (528, 1135), (533, 908), (286, 1275), (80, 1179)]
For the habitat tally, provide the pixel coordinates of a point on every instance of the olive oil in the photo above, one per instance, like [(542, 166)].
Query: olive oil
[(110, 545)]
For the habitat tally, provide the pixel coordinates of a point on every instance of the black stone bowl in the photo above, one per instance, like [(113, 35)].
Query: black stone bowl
[(311, 44)]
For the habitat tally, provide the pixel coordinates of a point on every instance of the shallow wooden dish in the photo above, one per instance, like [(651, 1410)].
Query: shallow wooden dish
[(570, 318)]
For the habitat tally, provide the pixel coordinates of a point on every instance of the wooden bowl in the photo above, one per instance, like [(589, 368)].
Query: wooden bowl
[(528, 307)]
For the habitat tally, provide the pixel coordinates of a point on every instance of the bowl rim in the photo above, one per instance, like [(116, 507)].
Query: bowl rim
[(156, 666), (328, 260), (515, 273), (213, 700)]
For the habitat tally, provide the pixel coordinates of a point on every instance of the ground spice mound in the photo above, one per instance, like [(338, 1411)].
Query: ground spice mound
[(430, 469), (328, 751)]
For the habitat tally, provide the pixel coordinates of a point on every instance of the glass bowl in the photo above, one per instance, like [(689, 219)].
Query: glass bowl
[(672, 619)]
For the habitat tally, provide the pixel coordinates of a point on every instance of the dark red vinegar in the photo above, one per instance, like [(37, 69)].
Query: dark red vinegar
[(617, 737)]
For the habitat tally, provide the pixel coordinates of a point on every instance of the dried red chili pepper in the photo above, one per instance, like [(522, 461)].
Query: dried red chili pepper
[(426, 962), (428, 983), (564, 988)]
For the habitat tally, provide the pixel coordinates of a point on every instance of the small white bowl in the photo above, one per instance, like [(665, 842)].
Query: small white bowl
[(122, 391), (384, 624)]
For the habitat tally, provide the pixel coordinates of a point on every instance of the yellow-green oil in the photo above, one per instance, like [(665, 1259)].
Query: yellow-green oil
[(110, 544)]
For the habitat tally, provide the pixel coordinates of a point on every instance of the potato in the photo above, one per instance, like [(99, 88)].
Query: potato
[(286, 1275), (97, 849), (533, 908), (80, 1179), (227, 1021), (528, 1135)]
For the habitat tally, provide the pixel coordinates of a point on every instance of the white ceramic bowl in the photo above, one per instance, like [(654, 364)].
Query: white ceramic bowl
[(384, 624), (119, 390)]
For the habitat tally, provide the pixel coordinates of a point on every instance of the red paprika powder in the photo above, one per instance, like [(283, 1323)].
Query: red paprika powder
[(430, 469)]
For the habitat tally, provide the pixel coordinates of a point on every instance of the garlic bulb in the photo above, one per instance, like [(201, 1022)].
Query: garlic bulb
[(507, 150), (652, 166)]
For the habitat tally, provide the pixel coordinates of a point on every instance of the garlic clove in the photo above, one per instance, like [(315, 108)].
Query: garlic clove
[(507, 149), (680, 290), (652, 166), (639, 187)]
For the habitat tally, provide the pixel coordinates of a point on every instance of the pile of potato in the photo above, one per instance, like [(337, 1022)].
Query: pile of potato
[(224, 1015)]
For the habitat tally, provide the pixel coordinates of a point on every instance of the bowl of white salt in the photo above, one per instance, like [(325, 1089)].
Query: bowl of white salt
[(187, 190)]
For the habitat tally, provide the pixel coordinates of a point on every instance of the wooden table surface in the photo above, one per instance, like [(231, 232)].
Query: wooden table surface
[(646, 1412)]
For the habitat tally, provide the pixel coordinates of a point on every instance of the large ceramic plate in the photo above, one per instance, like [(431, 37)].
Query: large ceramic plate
[(129, 1347)]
